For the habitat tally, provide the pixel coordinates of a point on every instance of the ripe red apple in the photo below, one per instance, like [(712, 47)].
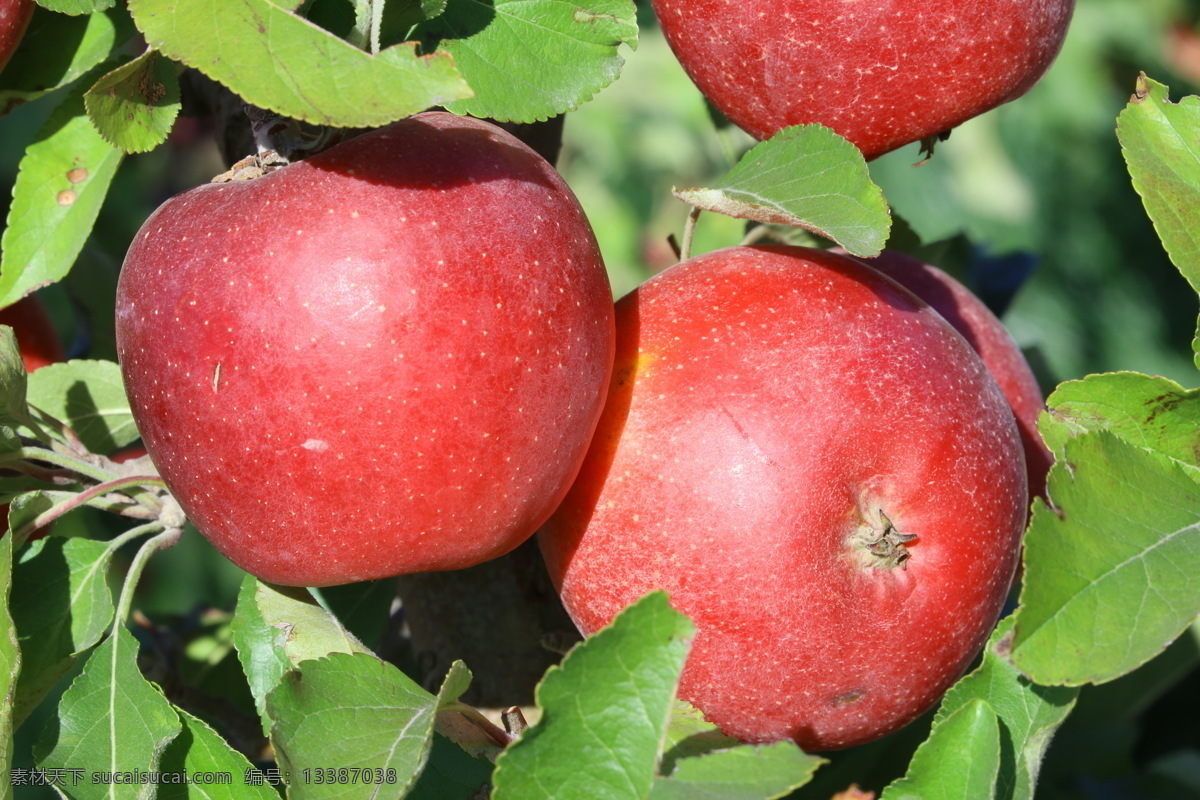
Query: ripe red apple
[(987, 335), (386, 358), (39, 344), (14, 19), (37, 338), (819, 471), (882, 73)]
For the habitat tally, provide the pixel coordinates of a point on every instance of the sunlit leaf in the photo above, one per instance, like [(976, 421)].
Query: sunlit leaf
[(281, 62), (1112, 575), (806, 176)]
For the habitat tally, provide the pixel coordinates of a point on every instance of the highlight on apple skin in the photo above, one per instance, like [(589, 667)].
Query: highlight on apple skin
[(386, 358), (882, 73), (985, 333), (819, 471), (14, 21)]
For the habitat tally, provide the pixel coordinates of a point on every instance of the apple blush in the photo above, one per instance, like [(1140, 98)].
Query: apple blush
[(882, 73), (386, 358), (819, 471), (987, 335)]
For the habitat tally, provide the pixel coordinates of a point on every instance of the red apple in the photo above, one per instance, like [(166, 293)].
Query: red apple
[(39, 344), (882, 73), (386, 358), (14, 19), (820, 472), (987, 335), (37, 338)]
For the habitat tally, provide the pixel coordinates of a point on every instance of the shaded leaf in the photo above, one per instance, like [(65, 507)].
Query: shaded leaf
[(10, 668), (199, 750), (134, 106), (57, 50), (529, 60), (281, 62), (960, 759), (604, 712), (62, 606), (1029, 714), (13, 379), (352, 712), (744, 772), (111, 716), (1114, 575), (806, 176), (90, 397)]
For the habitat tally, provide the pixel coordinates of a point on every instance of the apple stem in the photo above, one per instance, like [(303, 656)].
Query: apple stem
[(689, 233), (165, 538), (74, 501), (368, 15)]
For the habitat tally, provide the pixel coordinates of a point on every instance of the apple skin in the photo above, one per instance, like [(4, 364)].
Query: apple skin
[(984, 331), (386, 358), (40, 345), (767, 404), (882, 73), (14, 19), (37, 338)]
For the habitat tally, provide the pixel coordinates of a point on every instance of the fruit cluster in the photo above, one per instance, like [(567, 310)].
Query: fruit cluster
[(402, 355)]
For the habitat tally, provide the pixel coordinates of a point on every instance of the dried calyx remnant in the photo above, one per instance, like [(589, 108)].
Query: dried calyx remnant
[(880, 544)]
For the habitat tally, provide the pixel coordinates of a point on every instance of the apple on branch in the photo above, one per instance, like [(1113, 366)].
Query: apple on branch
[(386, 358), (882, 73), (14, 19), (820, 472), (987, 335)]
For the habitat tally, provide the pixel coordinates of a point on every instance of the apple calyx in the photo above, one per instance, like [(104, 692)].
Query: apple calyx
[(881, 545)]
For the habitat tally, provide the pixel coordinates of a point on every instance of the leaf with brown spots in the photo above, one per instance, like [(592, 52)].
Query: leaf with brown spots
[(134, 106), (1143, 410)]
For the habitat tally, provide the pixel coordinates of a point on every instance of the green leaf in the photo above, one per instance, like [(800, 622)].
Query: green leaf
[(604, 712), (42, 64), (278, 61), (13, 379), (1112, 574), (702, 762), (10, 668), (354, 712), (450, 774), (90, 397), (1029, 714), (62, 606), (960, 759), (745, 772), (529, 60), (805, 176), (401, 16), (134, 106), (362, 608), (61, 184), (277, 627), (197, 750), (109, 716), (1159, 144), (76, 7), (1158, 140), (1143, 410)]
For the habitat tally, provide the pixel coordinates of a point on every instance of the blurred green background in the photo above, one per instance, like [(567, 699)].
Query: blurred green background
[(1055, 237)]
